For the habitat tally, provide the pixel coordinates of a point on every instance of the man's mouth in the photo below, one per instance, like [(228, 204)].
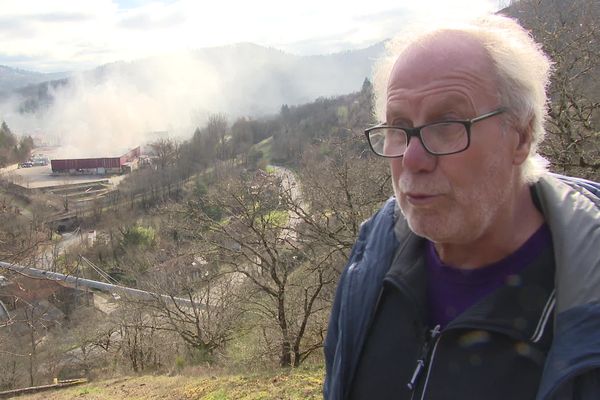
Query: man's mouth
[(418, 199)]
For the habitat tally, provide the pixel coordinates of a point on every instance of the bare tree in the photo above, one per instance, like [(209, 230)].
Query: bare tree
[(139, 342), (342, 185), (32, 323), (12, 361), (20, 236), (166, 152), (217, 131), (255, 244), (206, 320), (89, 337), (569, 32)]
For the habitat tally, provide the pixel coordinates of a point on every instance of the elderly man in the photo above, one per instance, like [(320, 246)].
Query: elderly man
[(481, 278)]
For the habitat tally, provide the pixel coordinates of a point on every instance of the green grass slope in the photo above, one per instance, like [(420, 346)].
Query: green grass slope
[(281, 385)]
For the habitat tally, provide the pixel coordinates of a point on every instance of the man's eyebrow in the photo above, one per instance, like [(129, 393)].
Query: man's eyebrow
[(437, 111), (399, 121), (452, 103)]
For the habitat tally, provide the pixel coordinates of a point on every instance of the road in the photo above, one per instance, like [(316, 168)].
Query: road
[(290, 184), (49, 254)]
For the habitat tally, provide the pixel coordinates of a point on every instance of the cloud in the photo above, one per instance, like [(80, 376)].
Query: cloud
[(57, 31), (60, 17), (13, 29), (154, 17)]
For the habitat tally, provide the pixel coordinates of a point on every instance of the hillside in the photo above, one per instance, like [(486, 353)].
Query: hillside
[(14, 78), (178, 229), (297, 385), (569, 33)]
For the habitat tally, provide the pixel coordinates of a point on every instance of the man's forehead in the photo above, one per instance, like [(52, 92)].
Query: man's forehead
[(449, 61), (443, 52), (440, 100)]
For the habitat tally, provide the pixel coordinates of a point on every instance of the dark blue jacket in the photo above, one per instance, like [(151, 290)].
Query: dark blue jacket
[(571, 207)]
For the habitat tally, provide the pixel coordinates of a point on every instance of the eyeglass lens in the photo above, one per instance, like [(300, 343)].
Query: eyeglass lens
[(441, 138)]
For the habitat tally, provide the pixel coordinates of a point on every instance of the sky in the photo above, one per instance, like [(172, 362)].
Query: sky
[(75, 35)]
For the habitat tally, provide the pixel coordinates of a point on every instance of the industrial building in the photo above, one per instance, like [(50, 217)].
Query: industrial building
[(97, 166)]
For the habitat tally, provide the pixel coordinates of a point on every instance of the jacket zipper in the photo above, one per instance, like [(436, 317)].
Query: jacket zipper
[(431, 358), (428, 351), (429, 339), (425, 358)]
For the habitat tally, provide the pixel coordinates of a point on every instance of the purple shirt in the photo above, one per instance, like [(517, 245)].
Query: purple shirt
[(451, 290)]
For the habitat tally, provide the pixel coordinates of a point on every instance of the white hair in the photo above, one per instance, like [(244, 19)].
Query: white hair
[(522, 73)]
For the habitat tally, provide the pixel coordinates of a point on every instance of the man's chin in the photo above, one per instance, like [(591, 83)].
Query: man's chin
[(431, 228)]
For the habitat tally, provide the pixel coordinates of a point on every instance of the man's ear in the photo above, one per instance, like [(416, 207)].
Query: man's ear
[(525, 138)]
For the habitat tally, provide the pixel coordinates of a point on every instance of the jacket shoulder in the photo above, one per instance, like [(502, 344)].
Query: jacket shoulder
[(571, 208), (586, 187), (356, 292)]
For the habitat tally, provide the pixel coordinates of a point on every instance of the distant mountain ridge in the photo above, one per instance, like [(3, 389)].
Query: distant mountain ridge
[(252, 78), (15, 78)]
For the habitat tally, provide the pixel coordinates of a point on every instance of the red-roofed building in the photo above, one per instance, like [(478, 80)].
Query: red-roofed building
[(97, 166)]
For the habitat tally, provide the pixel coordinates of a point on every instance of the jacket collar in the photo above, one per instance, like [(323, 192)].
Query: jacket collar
[(573, 214)]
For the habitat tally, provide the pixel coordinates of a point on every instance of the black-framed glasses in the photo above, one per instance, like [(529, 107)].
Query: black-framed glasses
[(438, 138)]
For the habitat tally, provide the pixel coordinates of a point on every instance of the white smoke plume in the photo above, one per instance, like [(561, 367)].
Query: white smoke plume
[(104, 116)]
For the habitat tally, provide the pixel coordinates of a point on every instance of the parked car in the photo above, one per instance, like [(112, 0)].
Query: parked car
[(26, 164)]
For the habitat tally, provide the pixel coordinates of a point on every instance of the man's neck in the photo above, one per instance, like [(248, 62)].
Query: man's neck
[(512, 226)]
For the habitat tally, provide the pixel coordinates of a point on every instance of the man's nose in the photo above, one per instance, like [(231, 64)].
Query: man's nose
[(416, 158)]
